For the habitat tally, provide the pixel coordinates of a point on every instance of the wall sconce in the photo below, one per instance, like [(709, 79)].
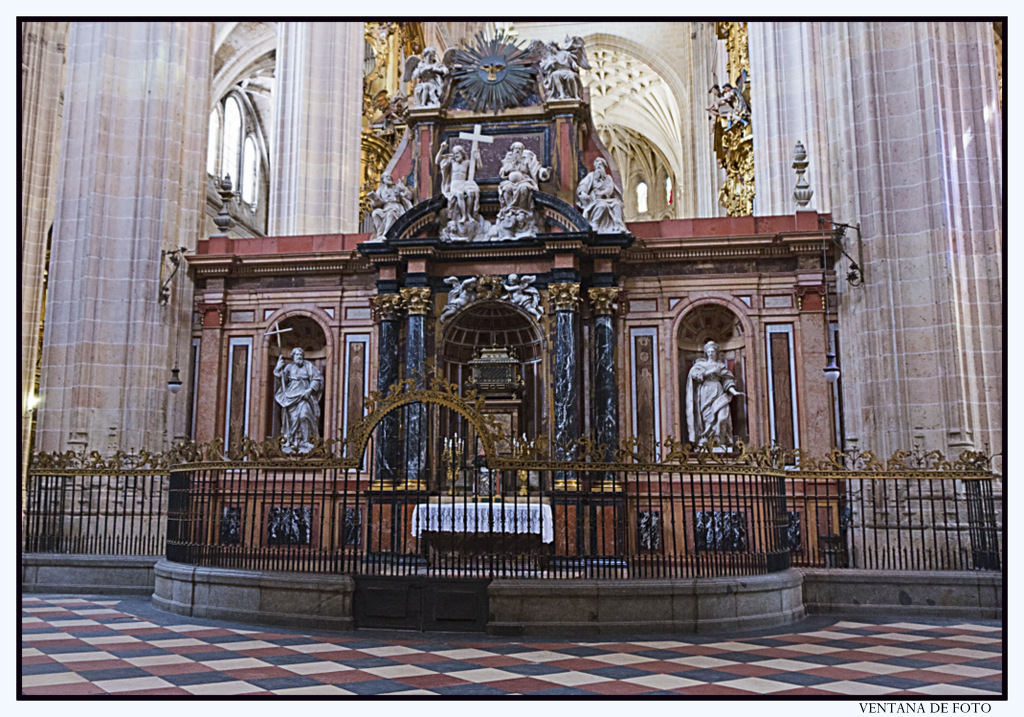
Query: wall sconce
[(174, 256), (831, 368), (855, 276)]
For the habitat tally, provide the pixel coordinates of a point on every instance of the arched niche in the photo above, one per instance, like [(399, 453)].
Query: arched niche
[(498, 323), (297, 331), (713, 322)]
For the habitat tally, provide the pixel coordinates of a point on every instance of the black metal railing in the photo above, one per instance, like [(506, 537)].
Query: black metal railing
[(122, 513)]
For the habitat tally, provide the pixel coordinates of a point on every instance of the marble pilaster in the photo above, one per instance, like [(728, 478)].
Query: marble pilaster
[(388, 312), (606, 387), (565, 299), (417, 305)]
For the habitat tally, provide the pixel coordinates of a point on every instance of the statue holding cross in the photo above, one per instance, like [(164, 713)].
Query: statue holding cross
[(459, 187)]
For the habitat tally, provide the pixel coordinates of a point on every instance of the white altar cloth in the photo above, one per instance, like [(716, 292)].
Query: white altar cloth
[(484, 517)]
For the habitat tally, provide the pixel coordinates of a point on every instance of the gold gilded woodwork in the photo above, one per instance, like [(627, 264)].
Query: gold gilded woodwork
[(387, 44), (416, 300), (386, 307), (564, 297), (605, 300), (734, 138)]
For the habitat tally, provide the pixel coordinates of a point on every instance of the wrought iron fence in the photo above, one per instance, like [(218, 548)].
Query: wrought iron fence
[(116, 513)]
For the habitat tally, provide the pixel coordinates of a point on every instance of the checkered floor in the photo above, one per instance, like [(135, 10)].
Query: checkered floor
[(84, 646)]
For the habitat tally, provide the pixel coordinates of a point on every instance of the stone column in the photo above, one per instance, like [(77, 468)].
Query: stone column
[(387, 310), (416, 301), (916, 132), (131, 184), (606, 387), (43, 48), (318, 120), (788, 105), (565, 300)]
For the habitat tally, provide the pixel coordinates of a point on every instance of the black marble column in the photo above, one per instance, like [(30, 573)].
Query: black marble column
[(606, 387), (417, 304), (387, 309), (565, 304)]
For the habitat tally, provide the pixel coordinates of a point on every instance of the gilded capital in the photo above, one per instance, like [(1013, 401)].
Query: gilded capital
[(416, 300), (605, 300), (564, 297), (386, 307)]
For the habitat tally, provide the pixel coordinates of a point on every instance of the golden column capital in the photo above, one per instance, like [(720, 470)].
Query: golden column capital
[(416, 300), (386, 307), (605, 300), (564, 297)]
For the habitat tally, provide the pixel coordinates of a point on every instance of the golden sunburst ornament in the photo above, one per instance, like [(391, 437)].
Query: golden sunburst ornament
[(494, 74)]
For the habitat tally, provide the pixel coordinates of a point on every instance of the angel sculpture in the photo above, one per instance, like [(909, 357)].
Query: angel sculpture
[(729, 104), (461, 295), (560, 66), (523, 295), (430, 75)]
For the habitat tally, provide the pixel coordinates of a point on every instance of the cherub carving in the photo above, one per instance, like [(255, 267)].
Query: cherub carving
[(523, 294), (430, 75), (461, 295), (560, 65)]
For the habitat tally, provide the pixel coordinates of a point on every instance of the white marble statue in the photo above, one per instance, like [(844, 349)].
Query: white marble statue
[(462, 193), (521, 174), (560, 66), (298, 390), (710, 388), (601, 200), (461, 295), (523, 294), (430, 74), (389, 201)]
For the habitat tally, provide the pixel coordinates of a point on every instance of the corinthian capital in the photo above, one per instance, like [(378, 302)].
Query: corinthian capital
[(605, 300), (564, 297), (386, 307), (416, 300)]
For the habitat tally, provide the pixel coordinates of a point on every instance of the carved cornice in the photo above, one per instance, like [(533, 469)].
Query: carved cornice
[(564, 297), (386, 307), (605, 300), (416, 300)]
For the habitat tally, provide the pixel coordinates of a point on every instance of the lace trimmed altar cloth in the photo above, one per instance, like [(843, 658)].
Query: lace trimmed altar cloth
[(484, 517)]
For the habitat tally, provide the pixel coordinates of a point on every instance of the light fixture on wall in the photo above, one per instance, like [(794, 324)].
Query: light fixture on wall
[(831, 368), (855, 276), (174, 383)]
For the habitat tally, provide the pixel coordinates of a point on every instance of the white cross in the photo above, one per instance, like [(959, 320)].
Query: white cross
[(277, 332), (475, 137)]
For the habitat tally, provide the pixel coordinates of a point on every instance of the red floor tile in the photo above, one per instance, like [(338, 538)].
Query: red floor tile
[(426, 682), (179, 668), (78, 688), (710, 689), (746, 669)]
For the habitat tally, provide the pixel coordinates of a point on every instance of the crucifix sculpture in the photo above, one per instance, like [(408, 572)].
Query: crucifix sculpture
[(475, 137)]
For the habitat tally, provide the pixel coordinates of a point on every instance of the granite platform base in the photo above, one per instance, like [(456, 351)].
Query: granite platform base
[(88, 574), (313, 600)]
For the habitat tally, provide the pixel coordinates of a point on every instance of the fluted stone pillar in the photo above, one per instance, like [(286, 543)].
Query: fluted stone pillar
[(387, 310), (915, 129), (417, 305), (788, 105), (43, 49), (314, 160), (131, 183), (565, 300)]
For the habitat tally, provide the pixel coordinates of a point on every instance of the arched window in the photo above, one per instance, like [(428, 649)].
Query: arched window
[(668, 190), (235, 148), (213, 144), (232, 143), (250, 172), (641, 197)]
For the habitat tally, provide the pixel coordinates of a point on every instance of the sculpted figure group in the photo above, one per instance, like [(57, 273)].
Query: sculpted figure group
[(462, 193), (389, 201), (430, 74), (521, 174), (560, 65), (519, 291), (601, 200)]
